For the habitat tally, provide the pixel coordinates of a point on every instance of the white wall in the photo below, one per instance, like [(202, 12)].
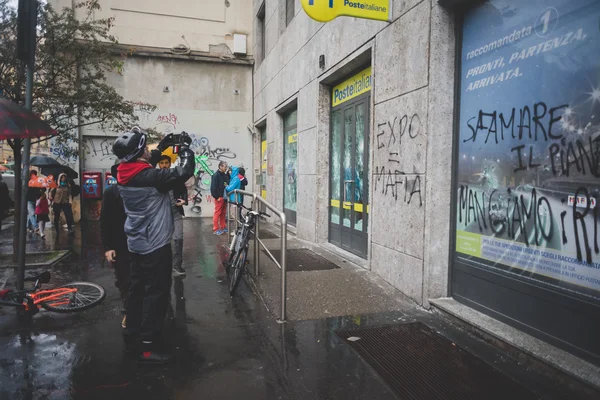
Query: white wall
[(156, 23), (201, 100)]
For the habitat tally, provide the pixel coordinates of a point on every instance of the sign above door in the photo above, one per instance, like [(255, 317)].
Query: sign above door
[(328, 10)]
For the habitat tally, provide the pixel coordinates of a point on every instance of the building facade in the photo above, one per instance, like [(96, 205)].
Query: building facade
[(192, 60), (452, 151)]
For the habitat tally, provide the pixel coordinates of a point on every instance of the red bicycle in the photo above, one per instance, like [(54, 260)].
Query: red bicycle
[(72, 297)]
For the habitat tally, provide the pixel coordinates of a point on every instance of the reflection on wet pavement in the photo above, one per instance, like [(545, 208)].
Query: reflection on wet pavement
[(225, 348)]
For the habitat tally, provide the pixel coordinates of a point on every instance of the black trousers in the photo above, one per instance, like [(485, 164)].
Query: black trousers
[(149, 288), (122, 266), (65, 208)]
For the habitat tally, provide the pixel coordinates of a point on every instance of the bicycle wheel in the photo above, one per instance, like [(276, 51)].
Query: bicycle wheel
[(237, 269), (87, 295)]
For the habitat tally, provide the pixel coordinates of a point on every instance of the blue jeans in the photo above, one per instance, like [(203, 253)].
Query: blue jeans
[(31, 221)]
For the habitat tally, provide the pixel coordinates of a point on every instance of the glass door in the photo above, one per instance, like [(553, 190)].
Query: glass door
[(290, 158), (349, 173)]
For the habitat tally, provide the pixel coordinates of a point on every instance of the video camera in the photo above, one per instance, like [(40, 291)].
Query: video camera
[(176, 141)]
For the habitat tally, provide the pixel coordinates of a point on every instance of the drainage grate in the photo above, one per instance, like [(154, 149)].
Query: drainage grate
[(417, 363), (304, 260)]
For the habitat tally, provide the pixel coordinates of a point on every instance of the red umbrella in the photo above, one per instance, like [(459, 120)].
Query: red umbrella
[(17, 122)]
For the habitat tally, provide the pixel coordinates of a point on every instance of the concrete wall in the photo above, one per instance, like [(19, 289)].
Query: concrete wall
[(210, 101), (207, 93), (155, 23), (413, 70)]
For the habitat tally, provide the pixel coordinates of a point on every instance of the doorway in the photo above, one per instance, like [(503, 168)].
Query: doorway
[(349, 172)]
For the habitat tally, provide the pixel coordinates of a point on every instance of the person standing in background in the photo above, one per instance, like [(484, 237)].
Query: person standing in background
[(33, 194), (112, 227), (42, 210), (219, 181), (179, 198), (5, 201), (243, 184), (62, 201)]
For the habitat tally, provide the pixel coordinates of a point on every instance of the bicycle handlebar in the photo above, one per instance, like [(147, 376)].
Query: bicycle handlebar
[(249, 209)]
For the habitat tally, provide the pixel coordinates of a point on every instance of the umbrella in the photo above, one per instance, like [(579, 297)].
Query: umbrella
[(42, 181), (44, 161), (56, 170), (17, 122), (3, 168)]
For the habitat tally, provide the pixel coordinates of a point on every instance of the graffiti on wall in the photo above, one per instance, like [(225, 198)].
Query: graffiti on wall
[(99, 149), (390, 179)]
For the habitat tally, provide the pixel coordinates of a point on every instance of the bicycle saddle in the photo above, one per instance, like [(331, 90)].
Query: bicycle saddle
[(44, 277)]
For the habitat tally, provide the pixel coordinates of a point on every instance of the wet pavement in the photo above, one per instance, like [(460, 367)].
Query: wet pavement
[(225, 348)]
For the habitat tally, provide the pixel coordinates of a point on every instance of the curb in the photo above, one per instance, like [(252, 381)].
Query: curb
[(61, 254)]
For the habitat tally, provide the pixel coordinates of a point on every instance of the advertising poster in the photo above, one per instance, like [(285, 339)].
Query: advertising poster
[(109, 180), (529, 150), (92, 185)]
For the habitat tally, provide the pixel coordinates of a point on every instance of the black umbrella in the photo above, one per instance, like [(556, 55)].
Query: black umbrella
[(44, 161), (56, 170)]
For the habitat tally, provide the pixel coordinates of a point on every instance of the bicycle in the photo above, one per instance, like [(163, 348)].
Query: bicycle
[(240, 245), (72, 297)]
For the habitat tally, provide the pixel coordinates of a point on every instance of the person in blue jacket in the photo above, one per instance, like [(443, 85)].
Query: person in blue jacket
[(236, 182)]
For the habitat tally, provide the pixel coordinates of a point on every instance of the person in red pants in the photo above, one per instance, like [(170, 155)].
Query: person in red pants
[(220, 180)]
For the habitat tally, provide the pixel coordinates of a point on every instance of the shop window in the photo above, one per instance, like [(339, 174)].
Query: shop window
[(529, 143)]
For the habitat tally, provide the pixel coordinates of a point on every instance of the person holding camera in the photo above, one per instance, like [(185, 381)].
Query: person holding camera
[(179, 197), (149, 228)]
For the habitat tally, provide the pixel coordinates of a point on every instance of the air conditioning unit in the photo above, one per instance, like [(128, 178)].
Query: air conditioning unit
[(239, 43)]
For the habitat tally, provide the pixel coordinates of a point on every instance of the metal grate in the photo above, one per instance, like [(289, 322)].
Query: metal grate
[(417, 363), (304, 260)]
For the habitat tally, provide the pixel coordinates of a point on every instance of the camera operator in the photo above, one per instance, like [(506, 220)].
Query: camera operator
[(149, 229)]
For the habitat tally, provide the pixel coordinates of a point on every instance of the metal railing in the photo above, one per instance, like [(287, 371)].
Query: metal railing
[(256, 202)]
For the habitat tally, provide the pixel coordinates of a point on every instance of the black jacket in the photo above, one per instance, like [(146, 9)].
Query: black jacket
[(33, 194), (112, 220), (217, 184), (147, 201)]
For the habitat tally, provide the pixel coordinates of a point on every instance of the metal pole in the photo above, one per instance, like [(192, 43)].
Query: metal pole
[(227, 213), (25, 178), (256, 207), (283, 265)]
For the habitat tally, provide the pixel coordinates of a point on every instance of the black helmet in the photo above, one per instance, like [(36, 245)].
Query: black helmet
[(130, 145)]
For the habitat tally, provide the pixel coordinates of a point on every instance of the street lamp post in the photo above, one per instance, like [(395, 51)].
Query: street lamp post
[(26, 32)]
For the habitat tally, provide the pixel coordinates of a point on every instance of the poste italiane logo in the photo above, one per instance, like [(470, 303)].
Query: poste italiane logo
[(327, 10)]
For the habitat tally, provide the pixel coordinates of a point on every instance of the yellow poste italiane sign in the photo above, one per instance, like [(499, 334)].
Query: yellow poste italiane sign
[(352, 87), (327, 10)]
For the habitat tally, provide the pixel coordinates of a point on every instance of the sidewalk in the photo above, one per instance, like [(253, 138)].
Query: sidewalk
[(231, 348)]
